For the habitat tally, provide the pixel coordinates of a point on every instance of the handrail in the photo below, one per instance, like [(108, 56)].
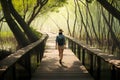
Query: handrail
[(22, 61), (101, 66)]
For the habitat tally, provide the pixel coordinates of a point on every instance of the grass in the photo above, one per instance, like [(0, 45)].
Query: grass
[(5, 34), (7, 41)]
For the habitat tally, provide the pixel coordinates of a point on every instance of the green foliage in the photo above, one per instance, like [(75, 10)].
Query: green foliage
[(36, 32), (26, 6), (0, 7), (54, 5), (4, 34), (23, 5), (89, 1)]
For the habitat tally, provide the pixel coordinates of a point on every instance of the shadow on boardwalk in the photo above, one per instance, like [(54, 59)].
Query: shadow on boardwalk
[(50, 69)]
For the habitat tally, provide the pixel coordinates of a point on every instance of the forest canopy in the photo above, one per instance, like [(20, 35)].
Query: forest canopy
[(96, 22)]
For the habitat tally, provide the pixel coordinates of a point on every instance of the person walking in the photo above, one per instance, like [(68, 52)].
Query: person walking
[(60, 44)]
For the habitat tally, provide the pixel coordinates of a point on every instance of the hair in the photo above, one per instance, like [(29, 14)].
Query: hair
[(60, 31)]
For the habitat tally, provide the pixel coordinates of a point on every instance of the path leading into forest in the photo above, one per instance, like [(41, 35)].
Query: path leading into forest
[(50, 69)]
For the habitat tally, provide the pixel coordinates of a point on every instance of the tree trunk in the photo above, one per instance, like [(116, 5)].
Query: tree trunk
[(69, 31), (36, 10), (73, 33), (110, 8), (19, 35), (87, 34), (31, 36), (93, 27), (116, 41)]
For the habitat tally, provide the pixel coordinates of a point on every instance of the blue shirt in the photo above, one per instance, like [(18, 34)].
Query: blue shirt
[(60, 39)]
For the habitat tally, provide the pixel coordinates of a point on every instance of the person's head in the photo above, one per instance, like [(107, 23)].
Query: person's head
[(60, 31)]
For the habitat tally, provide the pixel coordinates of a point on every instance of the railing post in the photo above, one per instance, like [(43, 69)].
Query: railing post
[(14, 72), (68, 43), (91, 63), (74, 48), (41, 50), (83, 56), (118, 74), (113, 73), (72, 45), (28, 65), (98, 68), (78, 51)]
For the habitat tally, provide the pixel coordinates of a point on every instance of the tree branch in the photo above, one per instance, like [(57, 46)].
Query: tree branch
[(110, 8)]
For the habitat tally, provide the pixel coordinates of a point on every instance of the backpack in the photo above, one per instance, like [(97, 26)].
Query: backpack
[(60, 40)]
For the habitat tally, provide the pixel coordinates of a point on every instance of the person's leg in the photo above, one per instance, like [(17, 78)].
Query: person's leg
[(60, 55)]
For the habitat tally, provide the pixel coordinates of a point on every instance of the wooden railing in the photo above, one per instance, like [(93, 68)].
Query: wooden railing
[(21, 64), (99, 64)]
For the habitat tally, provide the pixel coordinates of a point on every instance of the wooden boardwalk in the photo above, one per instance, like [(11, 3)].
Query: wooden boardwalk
[(50, 69)]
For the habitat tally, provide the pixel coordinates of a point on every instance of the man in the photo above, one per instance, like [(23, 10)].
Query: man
[(60, 43)]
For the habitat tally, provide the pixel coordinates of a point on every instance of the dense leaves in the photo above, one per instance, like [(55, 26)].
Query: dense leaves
[(19, 14), (92, 21)]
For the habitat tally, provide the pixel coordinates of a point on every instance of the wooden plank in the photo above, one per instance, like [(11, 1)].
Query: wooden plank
[(50, 69)]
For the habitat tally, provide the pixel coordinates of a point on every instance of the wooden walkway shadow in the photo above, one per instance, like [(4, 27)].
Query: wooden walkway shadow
[(50, 69)]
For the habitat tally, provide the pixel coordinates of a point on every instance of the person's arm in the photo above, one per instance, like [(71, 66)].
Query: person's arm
[(64, 42), (56, 44)]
